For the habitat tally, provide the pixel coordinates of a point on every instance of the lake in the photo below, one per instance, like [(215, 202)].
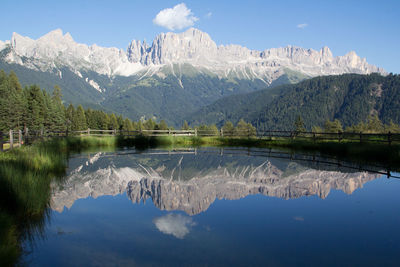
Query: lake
[(218, 207)]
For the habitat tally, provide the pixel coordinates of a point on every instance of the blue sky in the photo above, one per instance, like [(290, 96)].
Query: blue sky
[(371, 28)]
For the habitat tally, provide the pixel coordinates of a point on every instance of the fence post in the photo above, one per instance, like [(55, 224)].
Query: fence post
[(19, 138), (313, 136), (115, 132), (88, 131), (195, 131), (1, 141), (390, 138), (222, 132), (340, 136), (11, 139)]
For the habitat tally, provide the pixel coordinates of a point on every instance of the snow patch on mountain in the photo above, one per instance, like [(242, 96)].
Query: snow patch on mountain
[(95, 85)]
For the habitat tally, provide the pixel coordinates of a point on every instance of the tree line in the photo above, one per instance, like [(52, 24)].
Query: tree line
[(372, 125), (34, 108)]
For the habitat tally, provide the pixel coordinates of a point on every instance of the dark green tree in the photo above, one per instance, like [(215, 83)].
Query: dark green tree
[(374, 124), (36, 108), (228, 129), (69, 117), (162, 125), (333, 126), (299, 124), (113, 122), (79, 123), (149, 124), (185, 126)]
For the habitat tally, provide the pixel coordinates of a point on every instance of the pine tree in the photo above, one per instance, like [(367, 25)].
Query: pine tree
[(4, 103), (59, 110), (91, 120), (140, 126), (120, 121), (299, 124), (162, 125), (105, 121), (392, 127), (228, 128), (79, 119), (113, 124), (185, 126), (374, 124), (149, 124), (212, 129), (127, 126), (18, 102), (48, 112), (333, 126), (241, 128), (35, 108), (69, 116)]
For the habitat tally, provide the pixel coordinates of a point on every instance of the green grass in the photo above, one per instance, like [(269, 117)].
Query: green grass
[(25, 176)]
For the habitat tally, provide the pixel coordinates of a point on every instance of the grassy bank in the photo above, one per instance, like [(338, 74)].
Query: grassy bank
[(25, 177)]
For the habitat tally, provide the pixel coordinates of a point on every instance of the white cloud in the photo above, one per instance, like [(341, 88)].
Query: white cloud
[(302, 25), (208, 15), (174, 224), (175, 18)]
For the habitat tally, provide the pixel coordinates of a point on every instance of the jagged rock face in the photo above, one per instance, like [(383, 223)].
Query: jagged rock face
[(194, 47), (196, 193), (55, 50)]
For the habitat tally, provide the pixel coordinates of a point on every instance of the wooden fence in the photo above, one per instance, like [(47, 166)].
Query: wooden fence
[(15, 138)]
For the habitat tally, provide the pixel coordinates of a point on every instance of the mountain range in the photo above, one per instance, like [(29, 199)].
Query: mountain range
[(177, 74)]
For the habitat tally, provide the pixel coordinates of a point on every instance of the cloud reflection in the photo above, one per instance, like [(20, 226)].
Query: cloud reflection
[(174, 224)]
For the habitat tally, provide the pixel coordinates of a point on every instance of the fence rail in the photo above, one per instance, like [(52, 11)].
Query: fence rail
[(14, 138)]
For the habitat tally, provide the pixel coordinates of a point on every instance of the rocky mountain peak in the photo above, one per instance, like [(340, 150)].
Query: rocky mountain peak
[(326, 53)]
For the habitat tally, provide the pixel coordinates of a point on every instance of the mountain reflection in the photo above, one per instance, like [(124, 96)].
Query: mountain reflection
[(191, 182)]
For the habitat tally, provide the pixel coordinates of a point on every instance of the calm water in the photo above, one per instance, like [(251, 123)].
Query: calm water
[(218, 207)]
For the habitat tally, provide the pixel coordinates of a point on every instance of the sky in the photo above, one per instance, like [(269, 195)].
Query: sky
[(370, 28)]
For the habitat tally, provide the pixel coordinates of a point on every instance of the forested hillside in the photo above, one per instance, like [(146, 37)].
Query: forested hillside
[(350, 98)]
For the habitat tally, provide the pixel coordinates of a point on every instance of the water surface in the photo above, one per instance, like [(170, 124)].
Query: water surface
[(213, 207)]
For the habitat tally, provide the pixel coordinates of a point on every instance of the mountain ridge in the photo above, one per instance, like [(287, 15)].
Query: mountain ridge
[(192, 46)]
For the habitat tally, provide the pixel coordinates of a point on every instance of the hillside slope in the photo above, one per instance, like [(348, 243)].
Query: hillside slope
[(348, 97)]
